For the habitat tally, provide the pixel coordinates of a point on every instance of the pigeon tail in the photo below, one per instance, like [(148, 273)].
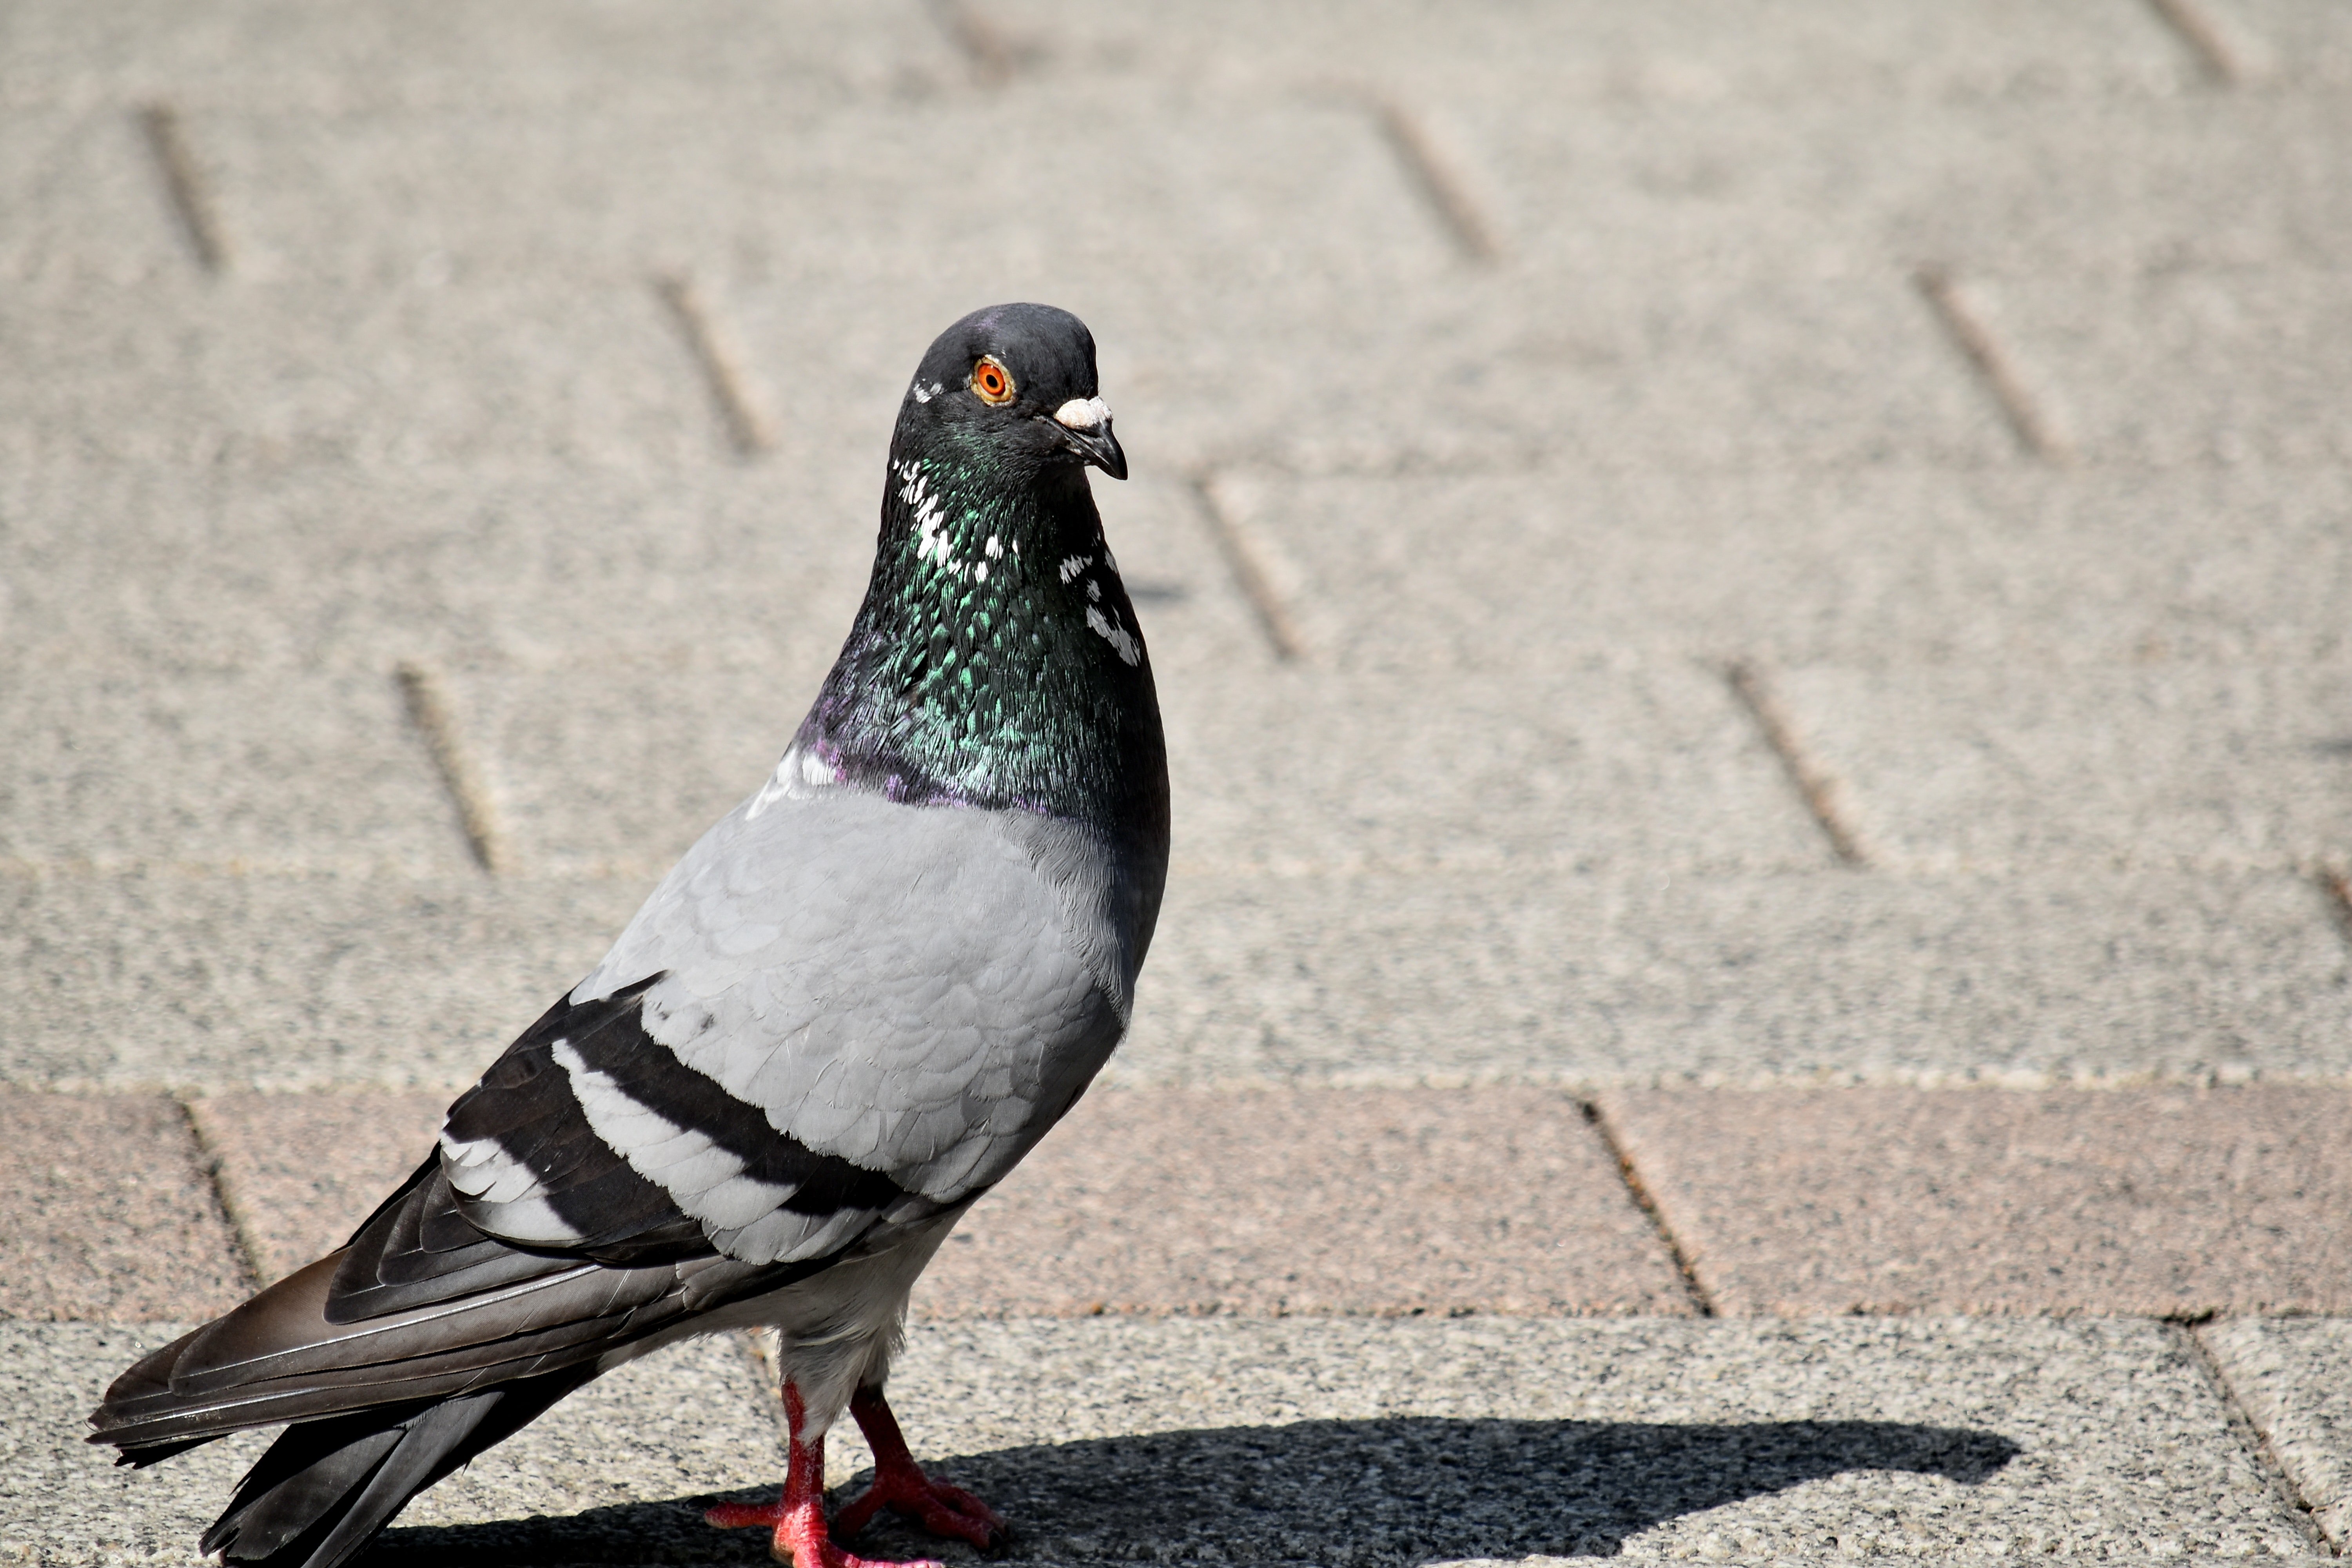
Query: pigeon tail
[(323, 1490)]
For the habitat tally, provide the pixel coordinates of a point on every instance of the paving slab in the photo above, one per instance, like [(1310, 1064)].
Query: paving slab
[(2292, 1376), (85, 200), (1994, 766), (1333, 1440), (374, 55), (67, 1503), (2067, 185), (298, 1172), (191, 370), (2189, 364), (216, 983), (617, 1473), (1420, 1440), (1650, 764), (1352, 1201), (473, 196), (2297, 45), (1687, 54), (308, 566), (1894, 564), (1824, 977), (276, 771), (109, 1214), (2159, 1202), (2119, 186)]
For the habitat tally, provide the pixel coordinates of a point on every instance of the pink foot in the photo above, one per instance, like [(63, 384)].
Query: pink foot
[(798, 1517), (801, 1538), (900, 1484)]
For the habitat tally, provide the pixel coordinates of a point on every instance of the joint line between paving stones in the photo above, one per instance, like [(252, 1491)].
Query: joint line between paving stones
[(2243, 1427), (2225, 59), (983, 44), (429, 710), (750, 430), (1701, 1302), (1963, 320), (1819, 790), (1249, 573), (184, 184), (2336, 889), (1432, 175), (216, 1182)]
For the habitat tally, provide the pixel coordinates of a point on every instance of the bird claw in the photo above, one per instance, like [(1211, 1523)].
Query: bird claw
[(944, 1511), (801, 1538)]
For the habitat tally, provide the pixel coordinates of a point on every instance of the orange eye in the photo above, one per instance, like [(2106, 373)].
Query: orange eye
[(991, 383)]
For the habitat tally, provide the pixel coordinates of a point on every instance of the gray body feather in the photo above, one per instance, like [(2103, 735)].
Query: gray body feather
[(918, 992)]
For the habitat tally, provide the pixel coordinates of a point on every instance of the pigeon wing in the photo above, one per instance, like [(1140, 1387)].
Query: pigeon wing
[(835, 1011)]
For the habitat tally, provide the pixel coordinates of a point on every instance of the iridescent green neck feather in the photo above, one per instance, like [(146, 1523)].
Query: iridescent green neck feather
[(996, 662)]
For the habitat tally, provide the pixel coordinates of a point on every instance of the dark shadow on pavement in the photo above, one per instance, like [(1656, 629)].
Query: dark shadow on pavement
[(1402, 1491)]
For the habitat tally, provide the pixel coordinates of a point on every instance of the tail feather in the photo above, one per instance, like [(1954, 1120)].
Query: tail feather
[(277, 1358), (384, 1401), (324, 1488)]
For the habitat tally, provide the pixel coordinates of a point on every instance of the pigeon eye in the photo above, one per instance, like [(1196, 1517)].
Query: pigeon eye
[(991, 383)]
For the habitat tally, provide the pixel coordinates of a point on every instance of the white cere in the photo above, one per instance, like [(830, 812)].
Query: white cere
[(1083, 414), (1111, 632)]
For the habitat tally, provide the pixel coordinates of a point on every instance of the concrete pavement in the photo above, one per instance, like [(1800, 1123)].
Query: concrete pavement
[(1752, 607)]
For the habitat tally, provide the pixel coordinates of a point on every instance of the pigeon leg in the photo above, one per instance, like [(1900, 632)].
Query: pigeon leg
[(899, 1483), (798, 1517)]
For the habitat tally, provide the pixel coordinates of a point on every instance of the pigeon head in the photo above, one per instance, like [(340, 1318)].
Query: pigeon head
[(1015, 384), (996, 662)]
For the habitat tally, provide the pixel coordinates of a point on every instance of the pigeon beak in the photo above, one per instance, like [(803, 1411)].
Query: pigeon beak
[(1086, 431)]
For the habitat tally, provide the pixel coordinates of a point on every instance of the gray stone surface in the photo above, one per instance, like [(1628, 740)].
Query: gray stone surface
[(2292, 1376), (218, 770), (1326, 1441), (226, 982), (1650, 764), (1998, 767), (2194, 364), (1894, 564), (1693, 54), (66, 1505), (1741, 980), (187, 370), (618, 1473), (1353, 1441), (263, 564)]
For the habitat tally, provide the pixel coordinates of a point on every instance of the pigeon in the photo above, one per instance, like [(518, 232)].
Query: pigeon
[(845, 1014)]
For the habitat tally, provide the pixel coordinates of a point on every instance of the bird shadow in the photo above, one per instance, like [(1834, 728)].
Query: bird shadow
[(1398, 1492)]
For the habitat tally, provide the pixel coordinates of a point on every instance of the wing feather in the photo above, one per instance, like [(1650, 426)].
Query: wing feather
[(829, 1012)]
